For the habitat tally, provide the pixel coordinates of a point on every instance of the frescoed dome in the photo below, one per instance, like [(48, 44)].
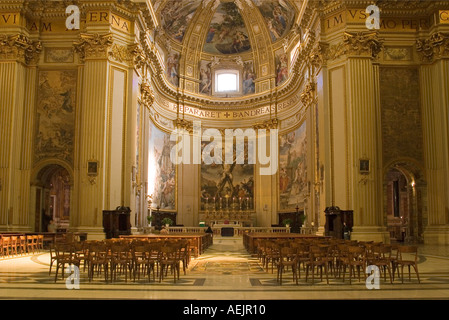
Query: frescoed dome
[(248, 35)]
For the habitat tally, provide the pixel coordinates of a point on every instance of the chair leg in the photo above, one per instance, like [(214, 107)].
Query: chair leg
[(417, 273)]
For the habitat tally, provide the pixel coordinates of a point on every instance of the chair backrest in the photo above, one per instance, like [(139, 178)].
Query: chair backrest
[(412, 250), (288, 253), (6, 241), (97, 250), (63, 250), (357, 253)]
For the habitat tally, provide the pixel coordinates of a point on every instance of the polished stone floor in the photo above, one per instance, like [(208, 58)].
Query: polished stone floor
[(224, 272)]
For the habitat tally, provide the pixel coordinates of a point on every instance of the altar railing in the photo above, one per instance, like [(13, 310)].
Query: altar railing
[(238, 230)]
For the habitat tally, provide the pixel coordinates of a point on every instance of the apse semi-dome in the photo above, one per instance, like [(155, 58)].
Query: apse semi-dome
[(247, 37)]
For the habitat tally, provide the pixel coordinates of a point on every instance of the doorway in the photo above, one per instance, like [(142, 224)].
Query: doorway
[(403, 204), (52, 191)]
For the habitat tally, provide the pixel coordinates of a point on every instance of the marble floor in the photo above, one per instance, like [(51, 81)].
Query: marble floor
[(224, 272)]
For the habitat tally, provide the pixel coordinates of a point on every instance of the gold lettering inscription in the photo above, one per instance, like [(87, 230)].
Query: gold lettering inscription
[(9, 19)]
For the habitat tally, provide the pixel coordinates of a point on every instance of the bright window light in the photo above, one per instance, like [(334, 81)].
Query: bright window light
[(226, 82)]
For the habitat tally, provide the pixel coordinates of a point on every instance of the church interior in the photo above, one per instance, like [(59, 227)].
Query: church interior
[(228, 129)]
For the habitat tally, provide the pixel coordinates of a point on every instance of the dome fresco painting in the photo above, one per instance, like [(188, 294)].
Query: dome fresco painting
[(200, 34), (227, 33)]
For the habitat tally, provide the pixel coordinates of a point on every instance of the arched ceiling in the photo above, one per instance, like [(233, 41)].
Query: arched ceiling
[(196, 36)]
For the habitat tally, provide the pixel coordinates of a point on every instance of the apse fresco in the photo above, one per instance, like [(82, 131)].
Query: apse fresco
[(227, 33), (172, 67), (55, 127), (278, 15), (161, 170), (205, 77), (281, 60), (227, 185), (293, 168), (249, 77), (176, 16)]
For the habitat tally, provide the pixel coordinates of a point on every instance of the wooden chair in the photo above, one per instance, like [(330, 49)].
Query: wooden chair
[(341, 258), (64, 254), (140, 259), (403, 259), (287, 259), (22, 245), (381, 257), (169, 257), (302, 251), (6, 246), (40, 242), (14, 244), (356, 260), (184, 253), (121, 258), (31, 243), (98, 259), (317, 258), (52, 256), (271, 254), (82, 253)]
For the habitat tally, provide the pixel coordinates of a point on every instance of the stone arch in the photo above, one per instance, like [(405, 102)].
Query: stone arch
[(51, 194), (404, 198)]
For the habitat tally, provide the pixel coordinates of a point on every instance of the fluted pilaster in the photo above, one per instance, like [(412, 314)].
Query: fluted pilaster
[(364, 134), (435, 104), (92, 145)]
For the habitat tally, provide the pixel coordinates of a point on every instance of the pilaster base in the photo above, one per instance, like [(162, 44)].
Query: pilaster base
[(436, 235), (370, 233), (92, 232)]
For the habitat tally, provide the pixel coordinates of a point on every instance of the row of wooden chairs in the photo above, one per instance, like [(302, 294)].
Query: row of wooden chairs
[(129, 258), (334, 258), (15, 245)]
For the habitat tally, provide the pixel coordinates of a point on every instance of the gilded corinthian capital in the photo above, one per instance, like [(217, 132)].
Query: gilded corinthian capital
[(93, 45), (367, 44), (19, 47), (435, 47), (362, 43)]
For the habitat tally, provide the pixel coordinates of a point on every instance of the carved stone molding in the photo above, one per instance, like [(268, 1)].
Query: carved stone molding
[(366, 44), (435, 47), (19, 47), (183, 124), (308, 95), (267, 124), (363, 43), (146, 94), (318, 55), (93, 46)]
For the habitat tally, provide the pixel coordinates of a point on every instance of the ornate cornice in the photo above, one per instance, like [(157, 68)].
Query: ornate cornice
[(19, 47), (435, 47), (93, 46)]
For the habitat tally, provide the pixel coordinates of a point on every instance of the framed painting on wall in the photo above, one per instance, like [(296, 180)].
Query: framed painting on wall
[(161, 170), (292, 175)]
